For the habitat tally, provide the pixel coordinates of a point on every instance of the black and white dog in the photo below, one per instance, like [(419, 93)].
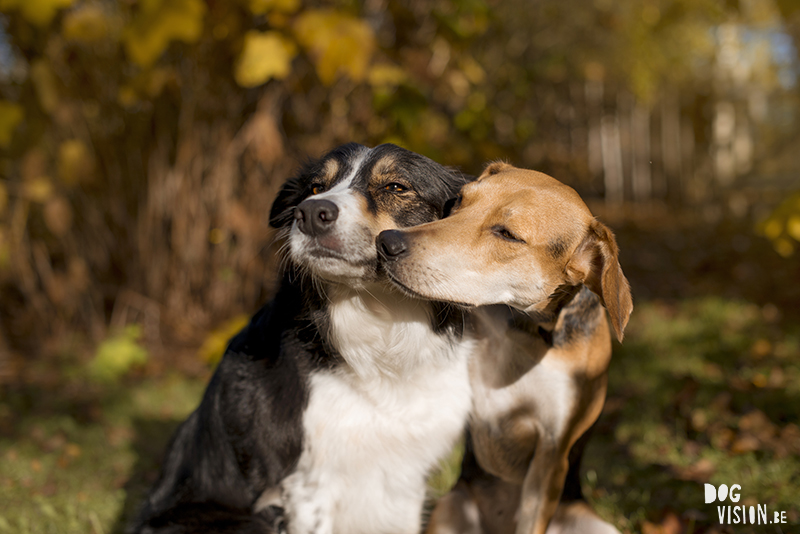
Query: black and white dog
[(341, 395)]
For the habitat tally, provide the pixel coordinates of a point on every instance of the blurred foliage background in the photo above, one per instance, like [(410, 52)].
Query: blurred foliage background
[(142, 142)]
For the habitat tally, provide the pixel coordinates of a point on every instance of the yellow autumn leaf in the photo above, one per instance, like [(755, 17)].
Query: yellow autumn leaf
[(117, 355), (127, 96), (472, 70), (5, 249), (3, 198), (337, 43), (152, 82), (783, 246), (75, 162), (772, 228), (38, 189), (259, 7), (44, 80), (265, 55), (160, 22), (793, 227), (11, 115), (148, 84), (216, 342), (386, 76), (37, 12), (88, 24)]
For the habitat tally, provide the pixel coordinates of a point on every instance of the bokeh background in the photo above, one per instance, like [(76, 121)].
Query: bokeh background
[(142, 142)]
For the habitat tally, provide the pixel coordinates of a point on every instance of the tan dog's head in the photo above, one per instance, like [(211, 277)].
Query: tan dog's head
[(515, 237)]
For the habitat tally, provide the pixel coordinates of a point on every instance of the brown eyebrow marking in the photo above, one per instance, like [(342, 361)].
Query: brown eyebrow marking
[(385, 165), (330, 169)]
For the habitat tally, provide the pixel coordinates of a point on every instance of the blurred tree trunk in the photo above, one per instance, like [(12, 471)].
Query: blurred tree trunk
[(671, 148), (641, 176), (612, 159)]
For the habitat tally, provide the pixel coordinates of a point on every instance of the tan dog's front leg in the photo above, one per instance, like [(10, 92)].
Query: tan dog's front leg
[(456, 513), (541, 489)]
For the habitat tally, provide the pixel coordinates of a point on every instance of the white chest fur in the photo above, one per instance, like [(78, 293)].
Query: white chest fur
[(522, 393), (374, 428)]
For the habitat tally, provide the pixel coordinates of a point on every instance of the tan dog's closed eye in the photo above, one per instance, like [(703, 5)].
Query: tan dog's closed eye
[(525, 240)]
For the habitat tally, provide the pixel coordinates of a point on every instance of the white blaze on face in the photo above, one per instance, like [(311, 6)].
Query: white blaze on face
[(347, 251)]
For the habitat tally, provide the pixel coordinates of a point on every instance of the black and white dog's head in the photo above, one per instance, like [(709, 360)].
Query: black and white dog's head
[(335, 207)]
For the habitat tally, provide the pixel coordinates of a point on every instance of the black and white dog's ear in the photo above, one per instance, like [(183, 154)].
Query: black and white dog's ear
[(288, 197), (455, 183), (448, 206)]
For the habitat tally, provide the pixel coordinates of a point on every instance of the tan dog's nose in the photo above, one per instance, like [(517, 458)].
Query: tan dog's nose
[(391, 244)]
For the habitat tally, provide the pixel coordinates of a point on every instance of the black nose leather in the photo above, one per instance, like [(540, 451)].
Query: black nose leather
[(392, 244), (315, 216)]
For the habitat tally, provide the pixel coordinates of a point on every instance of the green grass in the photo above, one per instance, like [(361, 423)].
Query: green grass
[(79, 461), (705, 391)]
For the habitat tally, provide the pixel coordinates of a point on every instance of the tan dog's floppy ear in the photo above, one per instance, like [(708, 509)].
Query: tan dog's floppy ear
[(595, 264)]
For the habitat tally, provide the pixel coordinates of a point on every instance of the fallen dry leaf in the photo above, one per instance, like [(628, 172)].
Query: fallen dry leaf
[(671, 524), (761, 348), (699, 420), (745, 443), (54, 442), (776, 378), (739, 384), (699, 471), (757, 424), (49, 489), (720, 436), (73, 450), (722, 402), (788, 442), (691, 449)]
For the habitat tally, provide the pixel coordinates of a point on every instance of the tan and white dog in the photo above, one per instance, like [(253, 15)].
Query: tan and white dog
[(522, 239)]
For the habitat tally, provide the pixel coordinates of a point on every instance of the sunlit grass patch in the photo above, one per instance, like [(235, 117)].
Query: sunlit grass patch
[(446, 475), (706, 390), (66, 473), (703, 391)]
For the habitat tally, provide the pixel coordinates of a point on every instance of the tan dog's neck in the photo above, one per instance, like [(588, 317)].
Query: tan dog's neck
[(547, 316)]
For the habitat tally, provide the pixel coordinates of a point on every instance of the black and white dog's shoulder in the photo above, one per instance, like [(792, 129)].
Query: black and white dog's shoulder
[(332, 406)]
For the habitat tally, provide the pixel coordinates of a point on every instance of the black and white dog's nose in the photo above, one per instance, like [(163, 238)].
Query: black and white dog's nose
[(392, 244), (315, 216)]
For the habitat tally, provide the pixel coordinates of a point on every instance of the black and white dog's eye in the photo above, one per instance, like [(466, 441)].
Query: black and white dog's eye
[(394, 187), (506, 234), (316, 189)]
